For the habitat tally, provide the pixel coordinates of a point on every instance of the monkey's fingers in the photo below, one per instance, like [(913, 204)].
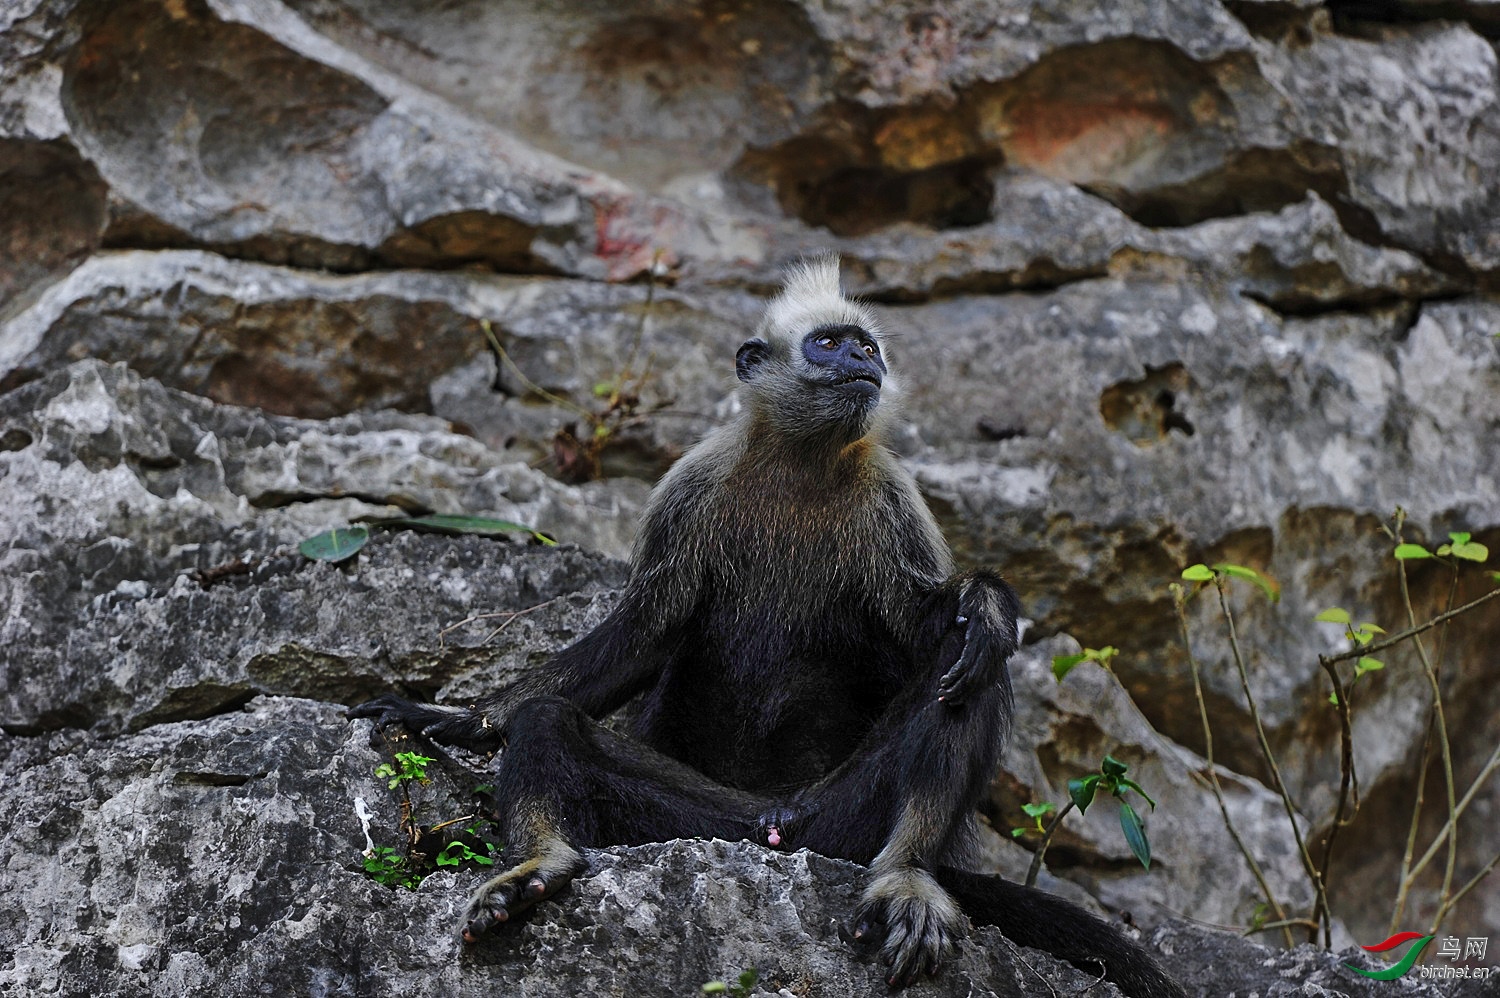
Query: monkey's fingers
[(384, 709), (966, 676)]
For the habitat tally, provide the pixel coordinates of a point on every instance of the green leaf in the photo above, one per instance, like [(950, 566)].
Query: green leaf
[(1333, 698), (1471, 551), (1113, 767), (1265, 582), (1411, 552), (1334, 615), (1063, 664), (482, 526), (748, 979), (603, 390), (1463, 537), (1037, 810), (1367, 664), (1198, 573), (1135, 834), (335, 545), (1016, 833), (1081, 792), (1137, 788), (715, 988)]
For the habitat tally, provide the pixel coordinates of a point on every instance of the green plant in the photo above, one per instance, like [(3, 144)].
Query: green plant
[(1365, 640), (740, 989), (427, 847), (1110, 779), (388, 866), (1064, 664), (1036, 812), (409, 766)]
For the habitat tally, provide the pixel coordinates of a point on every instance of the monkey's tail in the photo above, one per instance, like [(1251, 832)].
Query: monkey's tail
[(1034, 918)]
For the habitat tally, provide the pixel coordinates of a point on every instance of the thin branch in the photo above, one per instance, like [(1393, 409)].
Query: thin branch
[(1041, 850), (1346, 773), (1320, 910), (1447, 829), (509, 615), (1442, 730), (1414, 630), (1213, 777), (530, 385), (1466, 888)]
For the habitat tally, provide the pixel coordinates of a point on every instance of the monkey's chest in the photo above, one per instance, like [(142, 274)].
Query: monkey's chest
[(765, 702)]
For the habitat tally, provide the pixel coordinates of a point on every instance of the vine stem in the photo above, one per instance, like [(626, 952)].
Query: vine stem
[(1443, 744), (1346, 773), (1282, 921), (1415, 629), (1041, 850), (1320, 909)]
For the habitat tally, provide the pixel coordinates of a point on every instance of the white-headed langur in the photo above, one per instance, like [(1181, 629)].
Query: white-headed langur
[(812, 672)]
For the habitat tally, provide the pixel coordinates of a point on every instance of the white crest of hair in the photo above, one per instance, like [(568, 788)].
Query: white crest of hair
[(810, 297)]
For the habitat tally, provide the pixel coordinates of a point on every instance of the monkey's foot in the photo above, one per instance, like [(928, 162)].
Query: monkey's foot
[(517, 889), (915, 922), (775, 827)]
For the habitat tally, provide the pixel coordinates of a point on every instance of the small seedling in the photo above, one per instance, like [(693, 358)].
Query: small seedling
[(1111, 779), (1063, 664), (409, 766), (1036, 812), (387, 866)]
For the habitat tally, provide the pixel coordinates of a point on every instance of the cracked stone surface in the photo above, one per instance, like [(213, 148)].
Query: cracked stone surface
[(1168, 282)]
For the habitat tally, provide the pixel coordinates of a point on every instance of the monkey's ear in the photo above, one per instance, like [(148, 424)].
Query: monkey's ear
[(749, 356)]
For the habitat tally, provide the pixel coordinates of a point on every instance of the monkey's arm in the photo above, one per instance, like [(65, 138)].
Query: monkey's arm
[(599, 672)]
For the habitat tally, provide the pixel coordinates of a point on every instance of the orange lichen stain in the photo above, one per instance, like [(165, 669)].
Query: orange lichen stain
[(1082, 142), (918, 140)]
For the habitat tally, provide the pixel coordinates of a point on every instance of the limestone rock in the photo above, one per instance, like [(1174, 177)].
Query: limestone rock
[(1169, 282)]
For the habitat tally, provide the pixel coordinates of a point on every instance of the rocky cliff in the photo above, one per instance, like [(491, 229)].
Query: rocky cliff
[(1173, 282)]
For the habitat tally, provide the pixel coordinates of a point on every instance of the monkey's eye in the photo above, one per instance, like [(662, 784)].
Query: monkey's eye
[(870, 350), (827, 342)]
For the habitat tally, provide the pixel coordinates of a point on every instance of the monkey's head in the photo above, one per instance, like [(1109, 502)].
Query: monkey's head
[(816, 365)]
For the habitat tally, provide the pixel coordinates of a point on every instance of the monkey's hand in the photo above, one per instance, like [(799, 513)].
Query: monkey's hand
[(987, 611), (466, 726), (775, 826), (914, 921)]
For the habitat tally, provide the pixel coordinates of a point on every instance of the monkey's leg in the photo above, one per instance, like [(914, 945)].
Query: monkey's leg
[(904, 803), (564, 782)]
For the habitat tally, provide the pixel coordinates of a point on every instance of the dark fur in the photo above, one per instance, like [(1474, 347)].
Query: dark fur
[(812, 671)]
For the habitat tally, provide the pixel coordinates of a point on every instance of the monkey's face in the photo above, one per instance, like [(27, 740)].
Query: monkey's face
[(828, 379)]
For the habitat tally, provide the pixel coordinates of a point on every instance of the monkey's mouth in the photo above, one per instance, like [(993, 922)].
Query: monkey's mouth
[(859, 379)]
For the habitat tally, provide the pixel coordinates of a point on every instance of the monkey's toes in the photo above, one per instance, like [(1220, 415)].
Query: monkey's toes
[(913, 938), (505, 897)]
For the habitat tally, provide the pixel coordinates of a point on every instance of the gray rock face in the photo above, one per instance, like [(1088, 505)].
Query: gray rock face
[(1168, 283)]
